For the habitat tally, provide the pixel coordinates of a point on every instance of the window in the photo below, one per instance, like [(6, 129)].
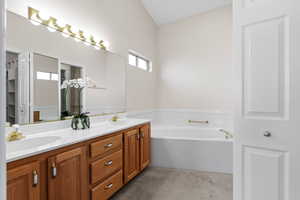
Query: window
[(47, 76), (139, 62)]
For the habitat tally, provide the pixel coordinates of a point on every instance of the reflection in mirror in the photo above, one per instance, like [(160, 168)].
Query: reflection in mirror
[(71, 97), (11, 87), (44, 61), (45, 91)]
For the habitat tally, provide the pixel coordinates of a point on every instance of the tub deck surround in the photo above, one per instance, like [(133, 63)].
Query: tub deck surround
[(207, 149), (66, 137)]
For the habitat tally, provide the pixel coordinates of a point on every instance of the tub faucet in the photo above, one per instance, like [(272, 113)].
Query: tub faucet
[(226, 133)]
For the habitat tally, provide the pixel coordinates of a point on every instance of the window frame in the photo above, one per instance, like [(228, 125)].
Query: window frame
[(137, 58)]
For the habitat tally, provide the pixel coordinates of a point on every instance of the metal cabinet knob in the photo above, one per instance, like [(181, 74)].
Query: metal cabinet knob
[(108, 145), (35, 178), (267, 134), (109, 163)]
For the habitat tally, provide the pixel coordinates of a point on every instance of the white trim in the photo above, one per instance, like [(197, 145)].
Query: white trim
[(218, 112), (2, 102)]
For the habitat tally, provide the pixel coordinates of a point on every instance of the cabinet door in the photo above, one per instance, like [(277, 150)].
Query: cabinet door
[(145, 146), (68, 175), (23, 182), (131, 154)]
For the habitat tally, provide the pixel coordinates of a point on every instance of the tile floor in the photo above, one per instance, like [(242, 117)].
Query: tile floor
[(174, 184)]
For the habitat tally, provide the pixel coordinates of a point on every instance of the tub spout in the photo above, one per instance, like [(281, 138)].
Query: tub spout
[(227, 134)]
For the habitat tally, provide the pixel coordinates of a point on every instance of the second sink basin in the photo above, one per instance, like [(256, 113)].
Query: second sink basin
[(30, 143)]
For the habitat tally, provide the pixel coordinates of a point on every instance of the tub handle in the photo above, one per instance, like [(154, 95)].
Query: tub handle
[(198, 121)]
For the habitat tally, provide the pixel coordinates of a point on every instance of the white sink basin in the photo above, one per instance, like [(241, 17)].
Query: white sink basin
[(30, 143), (118, 122)]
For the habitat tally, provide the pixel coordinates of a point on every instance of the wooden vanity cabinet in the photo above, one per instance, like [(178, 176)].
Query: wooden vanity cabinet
[(145, 146), (136, 151), (67, 175), (89, 170), (23, 182), (131, 154)]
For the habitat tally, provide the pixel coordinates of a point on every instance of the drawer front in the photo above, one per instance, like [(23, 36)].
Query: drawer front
[(106, 189), (103, 146), (105, 167)]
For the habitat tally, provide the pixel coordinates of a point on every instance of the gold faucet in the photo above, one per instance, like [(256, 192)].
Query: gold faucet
[(115, 118), (226, 133), (15, 135)]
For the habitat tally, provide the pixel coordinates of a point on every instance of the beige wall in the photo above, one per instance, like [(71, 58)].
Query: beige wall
[(195, 62), (194, 54), (125, 24)]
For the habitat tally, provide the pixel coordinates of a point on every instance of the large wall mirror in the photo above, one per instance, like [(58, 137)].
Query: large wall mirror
[(51, 77)]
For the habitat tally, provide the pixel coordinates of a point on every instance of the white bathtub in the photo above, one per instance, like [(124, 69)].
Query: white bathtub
[(203, 149)]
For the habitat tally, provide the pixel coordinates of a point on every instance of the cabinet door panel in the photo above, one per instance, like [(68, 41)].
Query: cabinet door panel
[(131, 154), (68, 175), (145, 146), (21, 184)]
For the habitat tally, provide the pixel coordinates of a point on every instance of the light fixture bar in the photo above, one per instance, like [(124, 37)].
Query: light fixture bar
[(51, 23)]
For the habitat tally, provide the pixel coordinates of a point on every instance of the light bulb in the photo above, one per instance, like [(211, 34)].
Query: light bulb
[(97, 48), (35, 23), (51, 25), (44, 16), (87, 43), (106, 44), (74, 30), (65, 34), (76, 39), (60, 24), (51, 29)]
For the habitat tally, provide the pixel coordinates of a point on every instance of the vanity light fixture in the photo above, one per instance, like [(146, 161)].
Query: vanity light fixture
[(52, 24)]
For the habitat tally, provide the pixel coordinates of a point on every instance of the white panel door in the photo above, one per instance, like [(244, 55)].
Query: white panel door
[(267, 122)]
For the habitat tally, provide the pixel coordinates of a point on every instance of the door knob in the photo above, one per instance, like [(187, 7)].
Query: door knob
[(267, 134)]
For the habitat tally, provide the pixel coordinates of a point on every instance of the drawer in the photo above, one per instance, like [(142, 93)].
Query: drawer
[(106, 189), (105, 167), (104, 146)]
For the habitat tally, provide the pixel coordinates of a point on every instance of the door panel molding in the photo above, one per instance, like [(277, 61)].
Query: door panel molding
[(265, 79), (265, 171)]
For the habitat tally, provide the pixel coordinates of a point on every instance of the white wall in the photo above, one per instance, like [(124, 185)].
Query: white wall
[(2, 103), (125, 24), (195, 62)]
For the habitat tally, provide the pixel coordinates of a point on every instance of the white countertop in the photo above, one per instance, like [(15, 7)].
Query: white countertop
[(65, 137)]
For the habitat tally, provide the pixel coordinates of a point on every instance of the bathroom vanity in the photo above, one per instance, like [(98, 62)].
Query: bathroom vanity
[(90, 165)]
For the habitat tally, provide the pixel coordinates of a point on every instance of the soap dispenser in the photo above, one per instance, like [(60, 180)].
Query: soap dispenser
[(16, 134)]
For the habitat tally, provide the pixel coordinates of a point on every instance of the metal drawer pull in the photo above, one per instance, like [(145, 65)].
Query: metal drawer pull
[(109, 163), (142, 134), (109, 186), (108, 145), (267, 134), (35, 178), (54, 170)]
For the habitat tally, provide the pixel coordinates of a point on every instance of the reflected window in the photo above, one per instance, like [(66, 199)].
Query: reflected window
[(47, 76), (54, 77), (43, 76)]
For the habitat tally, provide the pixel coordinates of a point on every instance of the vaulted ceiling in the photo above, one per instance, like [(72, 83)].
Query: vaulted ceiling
[(168, 11)]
